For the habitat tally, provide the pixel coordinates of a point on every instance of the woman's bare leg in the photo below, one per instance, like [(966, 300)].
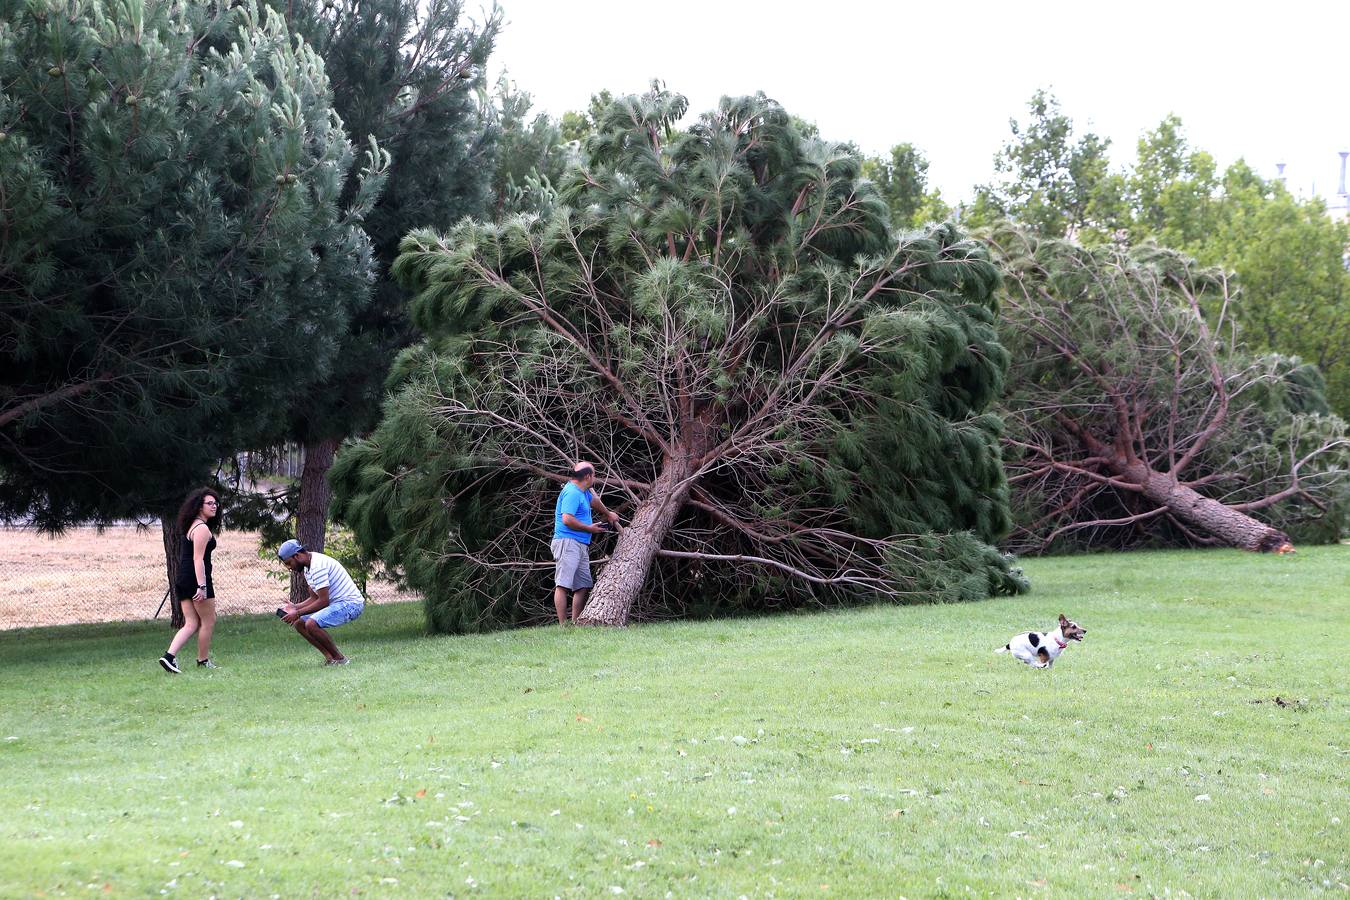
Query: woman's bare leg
[(206, 612), (190, 623)]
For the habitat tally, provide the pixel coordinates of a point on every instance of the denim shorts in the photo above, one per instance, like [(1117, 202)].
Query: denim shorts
[(335, 614)]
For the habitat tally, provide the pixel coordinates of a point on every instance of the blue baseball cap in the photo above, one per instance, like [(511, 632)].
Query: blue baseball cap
[(289, 549)]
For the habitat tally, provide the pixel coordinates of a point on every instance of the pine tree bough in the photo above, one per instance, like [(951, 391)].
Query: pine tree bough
[(424, 106), (162, 294), (1136, 417), (787, 401)]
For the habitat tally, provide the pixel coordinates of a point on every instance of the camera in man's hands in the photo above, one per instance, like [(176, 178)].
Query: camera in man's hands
[(281, 613)]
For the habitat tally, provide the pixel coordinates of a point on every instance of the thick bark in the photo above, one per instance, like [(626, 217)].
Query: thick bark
[(621, 582), (1232, 527), (311, 519), (173, 549)]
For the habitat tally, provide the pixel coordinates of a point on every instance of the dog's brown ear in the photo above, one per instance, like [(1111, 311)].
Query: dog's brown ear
[(1063, 619)]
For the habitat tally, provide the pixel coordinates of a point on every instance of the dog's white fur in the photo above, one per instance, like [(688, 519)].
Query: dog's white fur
[(1044, 648)]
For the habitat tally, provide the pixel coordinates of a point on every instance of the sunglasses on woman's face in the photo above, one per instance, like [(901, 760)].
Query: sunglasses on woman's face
[(210, 503)]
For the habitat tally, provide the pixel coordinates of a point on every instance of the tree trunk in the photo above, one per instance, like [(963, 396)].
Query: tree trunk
[(311, 519), (621, 582), (1231, 526), (173, 550)]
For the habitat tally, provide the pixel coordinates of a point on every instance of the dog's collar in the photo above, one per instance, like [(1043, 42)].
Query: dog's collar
[(1062, 644)]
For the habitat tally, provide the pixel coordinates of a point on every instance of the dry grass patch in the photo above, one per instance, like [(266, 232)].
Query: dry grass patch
[(118, 574)]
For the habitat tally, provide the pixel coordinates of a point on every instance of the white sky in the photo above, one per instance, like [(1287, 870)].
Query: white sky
[(1269, 82)]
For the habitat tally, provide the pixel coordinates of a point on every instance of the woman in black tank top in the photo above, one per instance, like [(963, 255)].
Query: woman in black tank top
[(197, 521), (187, 585)]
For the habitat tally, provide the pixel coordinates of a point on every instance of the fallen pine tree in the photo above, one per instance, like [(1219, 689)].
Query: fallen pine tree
[(1135, 416), (787, 402)]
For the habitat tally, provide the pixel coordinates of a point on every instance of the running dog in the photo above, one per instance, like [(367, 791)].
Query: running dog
[(1040, 649)]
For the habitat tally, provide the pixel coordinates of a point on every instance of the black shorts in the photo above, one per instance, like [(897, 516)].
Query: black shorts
[(187, 591)]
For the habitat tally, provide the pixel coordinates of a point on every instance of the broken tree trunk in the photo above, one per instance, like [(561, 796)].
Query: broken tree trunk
[(1231, 526), (622, 580)]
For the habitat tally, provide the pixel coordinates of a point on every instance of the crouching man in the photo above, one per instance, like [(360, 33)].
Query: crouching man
[(334, 599)]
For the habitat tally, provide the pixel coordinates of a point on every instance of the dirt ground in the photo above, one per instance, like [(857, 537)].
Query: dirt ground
[(85, 576)]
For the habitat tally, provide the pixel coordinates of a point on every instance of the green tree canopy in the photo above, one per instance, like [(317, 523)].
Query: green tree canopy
[(408, 74), (577, 125), (1288, 256), (1051, 178), (1172, 189), (180, 246), (531, 153), (902, 181), (787, 404)]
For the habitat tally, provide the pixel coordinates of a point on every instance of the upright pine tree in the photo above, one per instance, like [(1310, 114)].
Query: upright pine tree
[(786, 402), (408, 74), (531, 153), (180, 246)]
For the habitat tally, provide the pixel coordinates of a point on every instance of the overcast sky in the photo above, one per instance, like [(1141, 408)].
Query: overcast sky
[(1269, 82)]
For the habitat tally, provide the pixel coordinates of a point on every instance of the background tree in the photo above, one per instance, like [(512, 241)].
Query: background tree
[(531, 153), (1291, 260), (1288, 254), (1051, 179), (902, 181), (1172, 190), (409, 74), (174, 224), (1135, 415), (577, 125), (786, 402)]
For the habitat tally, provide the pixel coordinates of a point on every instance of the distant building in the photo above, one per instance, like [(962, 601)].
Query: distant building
[(1337, 201), (1338, 205)]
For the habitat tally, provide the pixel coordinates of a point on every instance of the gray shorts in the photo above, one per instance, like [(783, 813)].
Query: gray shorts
[(573, 569)]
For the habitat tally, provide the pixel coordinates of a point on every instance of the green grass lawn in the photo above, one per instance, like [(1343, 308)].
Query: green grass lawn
[(885, 751)]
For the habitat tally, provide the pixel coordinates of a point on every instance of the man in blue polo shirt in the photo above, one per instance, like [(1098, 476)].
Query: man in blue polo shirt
[(571, 546)]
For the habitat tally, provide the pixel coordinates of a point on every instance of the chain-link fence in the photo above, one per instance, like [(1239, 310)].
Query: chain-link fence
[(118, 574)]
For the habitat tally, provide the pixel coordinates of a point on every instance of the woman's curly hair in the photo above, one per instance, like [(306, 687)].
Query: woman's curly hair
[(193, 505)]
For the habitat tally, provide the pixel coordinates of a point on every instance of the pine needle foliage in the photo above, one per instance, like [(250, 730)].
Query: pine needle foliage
[(1137, 416), (408, 74), (788, 402), (176, 248)]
